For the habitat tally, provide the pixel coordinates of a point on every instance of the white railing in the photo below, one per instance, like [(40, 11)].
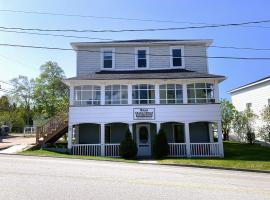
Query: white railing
[(177, 150), (112, 150), (204, 149), (86, 149)]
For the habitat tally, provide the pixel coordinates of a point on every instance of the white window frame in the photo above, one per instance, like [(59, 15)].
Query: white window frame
[(147, 57), (102, 58), (182, 56), (80, 102), (148, 99), (207, 100), (121, 92), (166, 92)]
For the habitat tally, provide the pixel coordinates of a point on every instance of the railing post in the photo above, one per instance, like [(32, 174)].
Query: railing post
[(187, 139), (220, 140), (102, 139)]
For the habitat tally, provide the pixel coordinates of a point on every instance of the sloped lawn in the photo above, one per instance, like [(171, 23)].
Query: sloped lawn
[(236, 155)]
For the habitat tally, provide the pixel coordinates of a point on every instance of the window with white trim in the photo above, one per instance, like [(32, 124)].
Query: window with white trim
[(143, 94), (171, 94), (87, 95), (176, 56), (116, 94), (200, 93), (108, 58), (142, 57)]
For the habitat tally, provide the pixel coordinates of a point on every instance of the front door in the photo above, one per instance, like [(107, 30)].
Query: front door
[(143, 139)]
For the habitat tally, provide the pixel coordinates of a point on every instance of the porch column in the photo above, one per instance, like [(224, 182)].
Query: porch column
[(158, 127), (211, 134), (185, 97), (216, 93), (102, 139), (130, 127), (77, 136), (71, 95), (157, 96), (187, 139), (102, 95), (129, 94), (220, 140), (70, 131)]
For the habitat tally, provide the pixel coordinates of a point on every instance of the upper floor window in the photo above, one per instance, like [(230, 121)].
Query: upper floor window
[(176, 56), (171, 94), (143, 94), (87, 95), (116, 94), (108, 58), (200, 93), (141, 57)]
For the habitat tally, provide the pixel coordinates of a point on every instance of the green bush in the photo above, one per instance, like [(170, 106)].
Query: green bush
[(160, 145), (128, 148)]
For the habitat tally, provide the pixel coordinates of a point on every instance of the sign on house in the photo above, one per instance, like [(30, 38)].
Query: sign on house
[(143, 113)]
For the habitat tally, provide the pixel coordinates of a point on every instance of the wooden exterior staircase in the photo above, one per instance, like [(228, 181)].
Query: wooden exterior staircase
[(52, 130)]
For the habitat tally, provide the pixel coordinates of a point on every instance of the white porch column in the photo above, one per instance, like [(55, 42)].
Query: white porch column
[(158, 126), (185, 98), (157, 96), (130, 127), (220, 140), (102, 139), (71, 95), (211, 134), (77, 136), (129, 94), (70, 132), (187, 139), (102, 95), (216, 93)]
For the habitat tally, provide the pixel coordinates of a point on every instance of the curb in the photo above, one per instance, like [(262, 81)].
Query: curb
[(161, 164)]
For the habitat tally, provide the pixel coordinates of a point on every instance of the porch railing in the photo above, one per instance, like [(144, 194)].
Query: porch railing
[(86, 149), (112, 150), (177, 150), (204, 149)]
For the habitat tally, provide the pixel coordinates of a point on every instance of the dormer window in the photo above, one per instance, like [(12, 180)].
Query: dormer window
[(142, 57), (177, 54), (108, 58)]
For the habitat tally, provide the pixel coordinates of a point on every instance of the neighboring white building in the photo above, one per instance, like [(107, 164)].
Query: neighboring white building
[(144, 85), (255, 95)]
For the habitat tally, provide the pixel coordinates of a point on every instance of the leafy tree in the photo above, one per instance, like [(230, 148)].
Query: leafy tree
[(160, 145), (264, 131), (228, 112), (4, 104), (128, 147), (51, 94)]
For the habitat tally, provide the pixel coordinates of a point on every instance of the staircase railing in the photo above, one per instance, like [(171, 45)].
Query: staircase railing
[(51, 127)]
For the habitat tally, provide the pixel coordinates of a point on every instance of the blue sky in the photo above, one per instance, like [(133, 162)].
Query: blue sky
[(21, 61)]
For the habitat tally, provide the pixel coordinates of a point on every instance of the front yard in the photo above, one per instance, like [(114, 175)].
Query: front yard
[(237, 155)]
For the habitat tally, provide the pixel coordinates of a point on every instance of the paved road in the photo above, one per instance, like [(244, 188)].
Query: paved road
[(53, 178)]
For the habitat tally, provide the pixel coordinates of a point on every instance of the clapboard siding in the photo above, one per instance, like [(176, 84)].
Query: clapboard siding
[(89, 62)]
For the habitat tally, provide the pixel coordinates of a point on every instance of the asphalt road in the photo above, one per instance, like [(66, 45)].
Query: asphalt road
[(23, 177)]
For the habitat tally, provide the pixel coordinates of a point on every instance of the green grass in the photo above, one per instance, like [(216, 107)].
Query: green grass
[(236, 155)]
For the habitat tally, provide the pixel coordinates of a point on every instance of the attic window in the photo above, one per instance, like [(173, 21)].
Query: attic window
[(107, 58), (142, 57), (177, 56)]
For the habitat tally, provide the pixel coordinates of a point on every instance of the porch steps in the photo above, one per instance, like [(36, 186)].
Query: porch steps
[(52, 130)]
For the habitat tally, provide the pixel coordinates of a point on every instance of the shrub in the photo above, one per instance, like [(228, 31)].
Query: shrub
[(160, 145), (250, 136), (128, 148)]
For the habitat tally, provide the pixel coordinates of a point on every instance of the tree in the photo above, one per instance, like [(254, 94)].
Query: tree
[(228, 112), (4, 104), (160, 145), (51, 94), (128, 148), (22, 94), (264, 131)]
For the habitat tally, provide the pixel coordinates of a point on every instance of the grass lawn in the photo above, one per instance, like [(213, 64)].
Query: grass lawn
[(236, 155)]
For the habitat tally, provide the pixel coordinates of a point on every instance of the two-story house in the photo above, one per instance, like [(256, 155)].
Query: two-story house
[(144, 85)]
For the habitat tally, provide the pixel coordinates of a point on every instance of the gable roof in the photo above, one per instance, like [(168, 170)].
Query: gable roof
[(262, 80)]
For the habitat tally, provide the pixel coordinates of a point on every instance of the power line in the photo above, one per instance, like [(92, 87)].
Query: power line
[(107, 39), (126, 53), (137, 30)]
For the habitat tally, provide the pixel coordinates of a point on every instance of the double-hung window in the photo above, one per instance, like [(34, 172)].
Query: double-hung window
[(143, 94), (177, 54), (171, 94), (87, 95), (142, 57), (108, 58), (116, 94), (200, 93)]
